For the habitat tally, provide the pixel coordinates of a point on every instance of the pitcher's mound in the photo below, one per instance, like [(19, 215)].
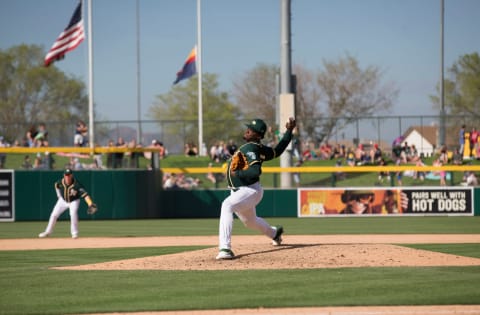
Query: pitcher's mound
[(290, 256)]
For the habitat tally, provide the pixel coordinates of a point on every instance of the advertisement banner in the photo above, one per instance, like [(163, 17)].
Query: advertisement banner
[(7, 212), (321, 202)]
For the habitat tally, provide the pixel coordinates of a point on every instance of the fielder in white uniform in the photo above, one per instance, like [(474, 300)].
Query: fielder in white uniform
[(69, 192), (246, 191)]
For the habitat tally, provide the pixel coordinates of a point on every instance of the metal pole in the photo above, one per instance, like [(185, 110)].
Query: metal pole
[(285, 53), (441, 133), (139, 102), (285, 81), (199, 71), (91, 118)]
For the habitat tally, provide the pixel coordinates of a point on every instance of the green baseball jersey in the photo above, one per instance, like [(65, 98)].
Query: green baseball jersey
[(256, 153), (70, 192)]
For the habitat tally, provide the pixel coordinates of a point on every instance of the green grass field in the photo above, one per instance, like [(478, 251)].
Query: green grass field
[(30, 287)]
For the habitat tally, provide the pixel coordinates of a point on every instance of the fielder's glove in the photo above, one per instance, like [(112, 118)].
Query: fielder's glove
[(92, 209), (239, 162)]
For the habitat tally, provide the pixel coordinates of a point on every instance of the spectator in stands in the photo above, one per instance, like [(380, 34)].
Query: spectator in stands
[(75, 164), (159, 148), (382, 174), (325, 151), (38, 163), (360, 155), (272, 136), (219, 152), (336, 152), (179, 181), (399, 173), (191, 149), (188, 182), (461, 140), (419, 174), (350, 158), (443, 155), (396, 152), (309, 152), (170, 181), (413, 156), (214, 152), (473, 142), (48, 161), (406, 151), (162, 151), (210, 175), (110, 156), (442, 173), (231, 147), (469, 179), (339, 175), (376, 154), (27, 164), (41, 136), (81, 134), (223, 151), (29, 136), (134, 157), (297, 145), (296, 175), (457, 158), (118, 156)]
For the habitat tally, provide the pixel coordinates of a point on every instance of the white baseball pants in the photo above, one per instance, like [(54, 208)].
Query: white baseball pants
[(242, 202), (60, 208)]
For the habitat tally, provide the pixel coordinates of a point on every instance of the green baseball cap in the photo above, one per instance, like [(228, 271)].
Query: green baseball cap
[(68, 171), (258, 125)]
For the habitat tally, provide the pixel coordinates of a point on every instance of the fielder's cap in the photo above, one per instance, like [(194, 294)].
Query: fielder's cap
[(258, 125), (68, 171)]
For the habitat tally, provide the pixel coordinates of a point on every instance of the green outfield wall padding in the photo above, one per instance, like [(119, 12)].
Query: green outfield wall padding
[(118, 194), (476, 201), (133, 194), (138, 194)]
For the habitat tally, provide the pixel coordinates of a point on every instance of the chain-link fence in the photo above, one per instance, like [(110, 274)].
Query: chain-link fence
[(175, 134)]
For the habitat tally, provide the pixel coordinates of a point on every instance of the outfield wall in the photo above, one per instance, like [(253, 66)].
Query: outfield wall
[(124, 194)]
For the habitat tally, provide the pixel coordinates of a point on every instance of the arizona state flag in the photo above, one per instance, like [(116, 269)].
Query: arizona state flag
[(189, 68)]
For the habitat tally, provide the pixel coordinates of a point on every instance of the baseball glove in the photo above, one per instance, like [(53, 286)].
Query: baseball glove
[(92, 209), (239, 162)]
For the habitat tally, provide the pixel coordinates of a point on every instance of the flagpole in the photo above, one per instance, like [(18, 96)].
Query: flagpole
[(91, 125), (199, 70), (139, 101)]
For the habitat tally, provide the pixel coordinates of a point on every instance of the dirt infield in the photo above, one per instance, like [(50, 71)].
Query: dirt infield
[(297, 252), (255, 252)]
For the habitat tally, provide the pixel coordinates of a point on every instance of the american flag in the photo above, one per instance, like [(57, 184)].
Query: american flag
[(69, 39)]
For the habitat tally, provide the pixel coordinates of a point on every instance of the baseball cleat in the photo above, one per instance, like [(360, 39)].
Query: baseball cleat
[(43, 234), (74, 236), (225, 253), (277, 240)]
